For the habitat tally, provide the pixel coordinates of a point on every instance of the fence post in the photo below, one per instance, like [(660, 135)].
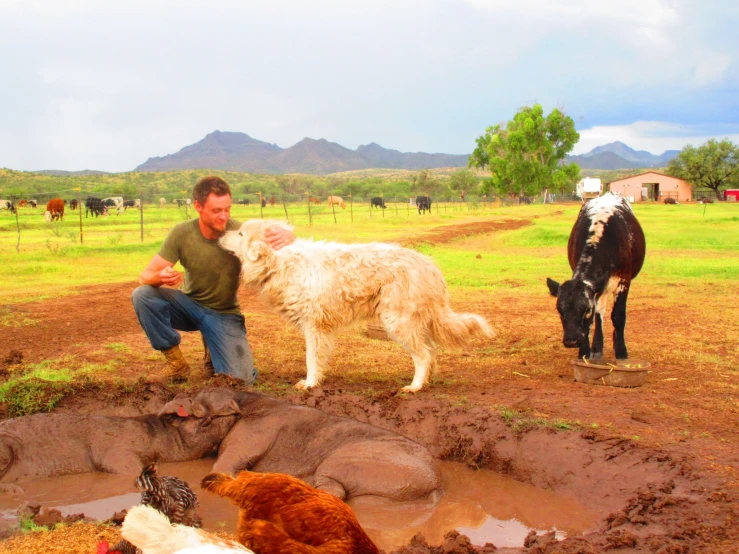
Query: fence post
[(79, 207), (261, 206), (351, 206), (284, 205), (382, 200), (141, 210), (310, 216), (333, 209), (14, 200)]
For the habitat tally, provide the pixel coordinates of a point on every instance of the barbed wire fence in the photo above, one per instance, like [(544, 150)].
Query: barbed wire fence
[(257, 204)]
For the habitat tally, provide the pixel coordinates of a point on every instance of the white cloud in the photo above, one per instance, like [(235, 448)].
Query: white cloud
[(653, 136)]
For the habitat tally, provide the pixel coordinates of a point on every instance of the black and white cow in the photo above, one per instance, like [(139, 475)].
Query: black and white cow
[(94, 206), (605, 251), (423, 203), (377, 202), (7, 205)]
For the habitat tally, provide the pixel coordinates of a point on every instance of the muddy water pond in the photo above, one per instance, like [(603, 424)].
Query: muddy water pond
[(484, 505)]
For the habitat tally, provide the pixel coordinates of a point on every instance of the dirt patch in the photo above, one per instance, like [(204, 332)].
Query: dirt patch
[(448, 233)]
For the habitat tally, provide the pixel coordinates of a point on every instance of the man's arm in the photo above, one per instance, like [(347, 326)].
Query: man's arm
[(159, 272), (278, 237)]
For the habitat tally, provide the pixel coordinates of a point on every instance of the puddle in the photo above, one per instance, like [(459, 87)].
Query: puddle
[(484, 505)]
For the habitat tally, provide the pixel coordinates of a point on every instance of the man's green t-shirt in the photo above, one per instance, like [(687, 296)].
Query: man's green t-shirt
[(211, 273)]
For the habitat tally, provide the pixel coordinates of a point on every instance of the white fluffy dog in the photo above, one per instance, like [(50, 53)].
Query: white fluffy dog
[(323, 286)]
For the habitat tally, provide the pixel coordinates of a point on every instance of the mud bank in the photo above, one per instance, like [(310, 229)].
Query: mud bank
[(647, 500), (650, 500)]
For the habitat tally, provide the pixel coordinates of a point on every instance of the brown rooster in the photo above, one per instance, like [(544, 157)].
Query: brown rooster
[(280, 514), (169, 495)]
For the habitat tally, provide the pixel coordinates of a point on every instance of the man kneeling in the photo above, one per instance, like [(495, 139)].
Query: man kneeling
[(206, 300)]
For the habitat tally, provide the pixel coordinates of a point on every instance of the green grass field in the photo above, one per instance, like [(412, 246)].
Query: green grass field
[(684, 242)]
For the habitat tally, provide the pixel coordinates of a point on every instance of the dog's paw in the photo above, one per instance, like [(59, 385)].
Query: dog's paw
[(303, 385), (410, 388)]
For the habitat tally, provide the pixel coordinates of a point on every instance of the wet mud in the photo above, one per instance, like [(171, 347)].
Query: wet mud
[(606, 493)]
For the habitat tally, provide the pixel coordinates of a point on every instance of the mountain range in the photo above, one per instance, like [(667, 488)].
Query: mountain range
[(240, 152), (617, 155)]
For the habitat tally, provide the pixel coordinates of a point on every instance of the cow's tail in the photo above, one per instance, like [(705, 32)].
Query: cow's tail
[(450, 328)]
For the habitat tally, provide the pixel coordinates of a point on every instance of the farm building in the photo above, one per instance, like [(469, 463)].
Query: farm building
[(652, 186), (588, 188), (731, 195)]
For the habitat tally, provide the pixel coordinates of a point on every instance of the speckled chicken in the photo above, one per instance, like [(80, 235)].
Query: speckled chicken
[(169, 495)]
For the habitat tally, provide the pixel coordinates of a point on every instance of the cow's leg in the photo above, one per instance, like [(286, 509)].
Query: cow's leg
[(318, 349), (618, 317), (584, 347), (597, 349)]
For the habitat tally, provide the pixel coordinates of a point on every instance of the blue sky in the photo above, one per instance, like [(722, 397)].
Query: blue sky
[(105, 85)]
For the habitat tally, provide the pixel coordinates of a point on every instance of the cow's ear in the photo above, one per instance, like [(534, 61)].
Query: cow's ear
[(553, 287)]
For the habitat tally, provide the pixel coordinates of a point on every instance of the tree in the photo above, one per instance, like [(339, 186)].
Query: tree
[(713, 165), (424, 183), (526, 155), (462, 181)]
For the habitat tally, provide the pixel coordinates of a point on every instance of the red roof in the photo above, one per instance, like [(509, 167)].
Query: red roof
[(655, 172)]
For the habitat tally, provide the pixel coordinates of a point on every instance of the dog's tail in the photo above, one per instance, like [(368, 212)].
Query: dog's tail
[(456, 329)]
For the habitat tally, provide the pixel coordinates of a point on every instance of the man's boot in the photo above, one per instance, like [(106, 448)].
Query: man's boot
[(179, 371)]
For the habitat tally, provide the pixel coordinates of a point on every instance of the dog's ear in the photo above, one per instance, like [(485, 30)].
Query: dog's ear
[(256, 250)]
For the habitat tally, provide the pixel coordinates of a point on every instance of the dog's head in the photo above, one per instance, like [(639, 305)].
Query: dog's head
[(249, 245)]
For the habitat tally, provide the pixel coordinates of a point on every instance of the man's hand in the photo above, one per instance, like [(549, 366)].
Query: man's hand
[(278, 237), (170, 277)]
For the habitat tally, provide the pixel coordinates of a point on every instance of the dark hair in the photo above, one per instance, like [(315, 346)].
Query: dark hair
[(208, 185)]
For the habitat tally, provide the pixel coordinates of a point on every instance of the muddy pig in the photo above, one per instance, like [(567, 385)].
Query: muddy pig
[(50, 445), (339, 455)]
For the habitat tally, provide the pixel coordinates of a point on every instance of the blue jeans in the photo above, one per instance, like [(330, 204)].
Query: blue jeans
[(162, 311)]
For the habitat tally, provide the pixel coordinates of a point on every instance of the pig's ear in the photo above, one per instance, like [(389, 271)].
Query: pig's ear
[(198, 410), (173, 406), (234, 407), (553, 287)]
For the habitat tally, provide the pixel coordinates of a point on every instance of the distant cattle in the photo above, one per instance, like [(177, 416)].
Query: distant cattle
[(180, 202), (243, 201), (114, 203), (162, 202), (136, 203), (23, 203), (606, 251), (7, 205), (670, 201), (272, 200), (264, 202), (95, 206), (33, 203), (336, 201), (705, 201), (423, 203), (377, 202), (73, 204), (314, 200), (55, 207)]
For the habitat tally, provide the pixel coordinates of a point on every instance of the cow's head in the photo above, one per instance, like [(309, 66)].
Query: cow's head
[(576, 307)]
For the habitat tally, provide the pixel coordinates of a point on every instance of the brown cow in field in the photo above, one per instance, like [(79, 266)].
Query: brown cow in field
[(336, 200), (55, 207), (314, 200)]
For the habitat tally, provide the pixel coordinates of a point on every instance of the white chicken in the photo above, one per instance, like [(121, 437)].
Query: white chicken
[(151, 531)]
